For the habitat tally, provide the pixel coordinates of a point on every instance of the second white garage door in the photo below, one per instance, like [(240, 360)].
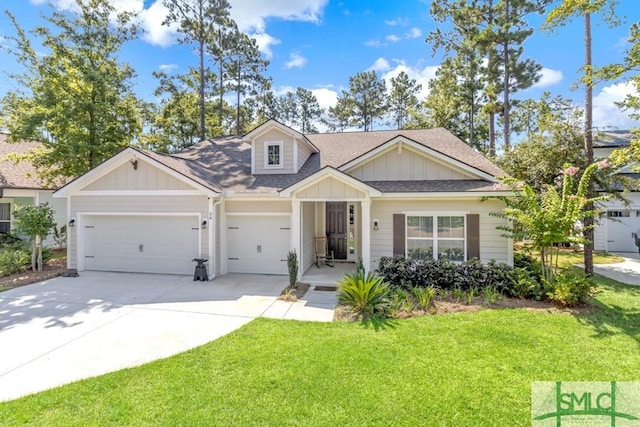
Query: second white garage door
[(141, 244), (258, 244), (619, 231)]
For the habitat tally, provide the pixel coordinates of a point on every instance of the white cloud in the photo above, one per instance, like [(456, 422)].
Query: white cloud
[(606, 114), (326, 97), (265, 41), (413, 34), (296, 61), (548, 78), (380, 65), (167, 67), (151, 22), (392, 38), (373, 43), (251, 15), (397, 21), (422, 75)]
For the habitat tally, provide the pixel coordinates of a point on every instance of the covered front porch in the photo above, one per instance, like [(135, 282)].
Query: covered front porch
[(333, 206), (325, 275)]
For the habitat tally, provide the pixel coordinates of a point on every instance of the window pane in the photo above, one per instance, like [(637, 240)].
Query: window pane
[(5, 227), (420, 249), (273, 154), (420, 226), (451, 227), (452, 250), (5, 211)]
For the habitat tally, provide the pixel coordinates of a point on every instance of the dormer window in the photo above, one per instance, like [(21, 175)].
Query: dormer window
[(273, 153)]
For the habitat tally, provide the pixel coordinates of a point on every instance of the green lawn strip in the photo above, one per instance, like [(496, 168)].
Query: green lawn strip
[(454, 369)]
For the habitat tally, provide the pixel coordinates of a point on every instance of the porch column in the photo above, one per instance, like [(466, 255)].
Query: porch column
[(366, 233), (295, 233)]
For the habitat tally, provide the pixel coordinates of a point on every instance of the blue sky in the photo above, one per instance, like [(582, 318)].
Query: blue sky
[(319, 44)]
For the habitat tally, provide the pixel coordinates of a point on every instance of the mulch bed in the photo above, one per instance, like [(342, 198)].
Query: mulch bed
[(53, 268), (298, 292)]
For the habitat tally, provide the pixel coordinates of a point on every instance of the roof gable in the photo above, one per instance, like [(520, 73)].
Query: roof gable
[(328, 183), (274, 124), (403, 155), (166, 171)]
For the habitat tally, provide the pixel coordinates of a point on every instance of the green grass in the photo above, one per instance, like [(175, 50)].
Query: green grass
[(460, 369), (569, 257)]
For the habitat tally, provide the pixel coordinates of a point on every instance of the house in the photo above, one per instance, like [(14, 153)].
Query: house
[(619, 218), (19, 186), (243, 202)]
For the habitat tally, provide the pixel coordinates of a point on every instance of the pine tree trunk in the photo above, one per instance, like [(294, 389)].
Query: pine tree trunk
[(507, 135), (588, 144), (203, 132), (492, 135)]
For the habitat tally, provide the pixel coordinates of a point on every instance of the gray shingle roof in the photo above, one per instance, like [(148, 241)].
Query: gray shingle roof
[(436, 186), (612, 138), (17, 175), (224, 163)]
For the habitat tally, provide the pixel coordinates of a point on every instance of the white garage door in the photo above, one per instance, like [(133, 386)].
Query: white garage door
[(620, 226), (143, 244), (258, 244)]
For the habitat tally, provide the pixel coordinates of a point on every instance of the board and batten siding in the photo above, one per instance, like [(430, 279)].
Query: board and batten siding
[(273, 135), (308, 235), (406, 165), (137, 204), (330, 188), (145, 177), (492, 244)]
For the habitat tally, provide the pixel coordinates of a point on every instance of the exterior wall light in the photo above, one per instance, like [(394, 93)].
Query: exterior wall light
[(204, 224), (72, 222)]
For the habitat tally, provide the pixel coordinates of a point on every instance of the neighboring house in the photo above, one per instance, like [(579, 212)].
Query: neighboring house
[(244, 202), (19, 187), (619, 219)]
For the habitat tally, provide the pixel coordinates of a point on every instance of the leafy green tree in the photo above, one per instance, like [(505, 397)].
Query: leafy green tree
[(77, 100), (196, 23), (559, 16), (403, 98), (308, 110), (366, 96), (339, 117), (245, 72), (36, 222), (553, 138), (550, 217)]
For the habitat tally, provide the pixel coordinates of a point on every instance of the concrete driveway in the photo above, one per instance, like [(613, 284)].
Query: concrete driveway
[(65, 329), (626, 272)]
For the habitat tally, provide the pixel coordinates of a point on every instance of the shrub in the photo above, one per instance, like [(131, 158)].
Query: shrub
[(424, 296), (292, 266), (13, 260), (365, 293), (526, 284), (490, 295), (568, 290)]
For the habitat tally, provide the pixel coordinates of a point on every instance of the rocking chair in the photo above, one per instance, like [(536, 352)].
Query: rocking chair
[(323, 253)]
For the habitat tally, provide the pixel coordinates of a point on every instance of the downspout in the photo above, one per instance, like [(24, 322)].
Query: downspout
[(213, 225)]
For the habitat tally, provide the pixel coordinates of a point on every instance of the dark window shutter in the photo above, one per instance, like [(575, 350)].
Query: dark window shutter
[(473, 236), (398, 234)]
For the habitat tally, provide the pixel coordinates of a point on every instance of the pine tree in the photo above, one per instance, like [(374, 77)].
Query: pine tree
[(403, 98)]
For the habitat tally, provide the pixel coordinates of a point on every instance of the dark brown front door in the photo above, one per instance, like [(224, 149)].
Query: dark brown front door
[(337, 229)]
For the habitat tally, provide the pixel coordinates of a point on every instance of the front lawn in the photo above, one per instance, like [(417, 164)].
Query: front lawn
[(452, 369)]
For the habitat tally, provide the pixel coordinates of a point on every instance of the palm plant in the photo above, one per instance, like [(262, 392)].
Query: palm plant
[(365, 293)]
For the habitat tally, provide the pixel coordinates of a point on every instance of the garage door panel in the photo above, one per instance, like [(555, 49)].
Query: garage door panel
[(619, 231), (150, 244), (258, 244)]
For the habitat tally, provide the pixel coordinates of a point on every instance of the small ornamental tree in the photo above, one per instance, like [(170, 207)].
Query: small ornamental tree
[(35, 222), (550, 217)]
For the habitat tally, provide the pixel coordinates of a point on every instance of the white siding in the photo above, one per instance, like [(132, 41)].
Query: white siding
[(405, 166), (122, 204), (273, 135), (308, 235), (260, 206), (303, 154), (60, 211), (330, 189), (492, 244), (145, 177)]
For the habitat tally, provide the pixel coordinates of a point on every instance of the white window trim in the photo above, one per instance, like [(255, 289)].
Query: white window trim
[(266, 154), (435, 239), (10, 220)]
